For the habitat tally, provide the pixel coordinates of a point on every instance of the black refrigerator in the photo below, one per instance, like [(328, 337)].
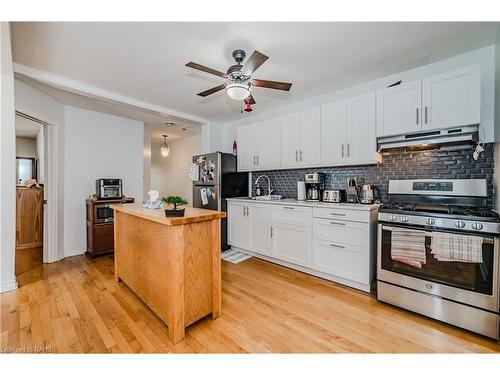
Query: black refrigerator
[(218, 179)]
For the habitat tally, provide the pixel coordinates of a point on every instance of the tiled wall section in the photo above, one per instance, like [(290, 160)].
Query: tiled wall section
[(407, 165)]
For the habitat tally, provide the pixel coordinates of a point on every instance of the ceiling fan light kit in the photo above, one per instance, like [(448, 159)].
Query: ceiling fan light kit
[(239, 82)]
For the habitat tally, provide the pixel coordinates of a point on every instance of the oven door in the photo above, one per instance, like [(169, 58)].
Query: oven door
[(103, 213), (111, 191), (474, 284)]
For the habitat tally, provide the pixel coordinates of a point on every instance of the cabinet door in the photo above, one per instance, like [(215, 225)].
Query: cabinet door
[(269, 145), (238, 225), (361, 135), (292, 244), (260, 229), (452, 99), (290, 140), (246, 148), (398, 109), (333, 132), (310, 137), (346, 261)]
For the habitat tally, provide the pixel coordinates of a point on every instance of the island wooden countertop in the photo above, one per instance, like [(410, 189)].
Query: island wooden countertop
[(192, 214)]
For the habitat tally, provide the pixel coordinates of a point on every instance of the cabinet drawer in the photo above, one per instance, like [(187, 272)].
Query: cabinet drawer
[(342, 214), (343, 232), (346, 261), (293, 215)]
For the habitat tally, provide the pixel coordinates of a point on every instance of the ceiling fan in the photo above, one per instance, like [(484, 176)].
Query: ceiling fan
[(239, 81)]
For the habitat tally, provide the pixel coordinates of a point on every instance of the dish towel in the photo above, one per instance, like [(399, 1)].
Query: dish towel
[(449, 247), (408, 246)]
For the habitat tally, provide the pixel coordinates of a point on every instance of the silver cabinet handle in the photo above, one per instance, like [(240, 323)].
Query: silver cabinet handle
[(334, 223), (257, 159), (426, 114), (296, 155), (289, 208), (271, 232), (254, 160), (339, 246), (300, 155), (348, 150), (248, 210), (334, 214), (342, 150), (417, 116), (244, 211)]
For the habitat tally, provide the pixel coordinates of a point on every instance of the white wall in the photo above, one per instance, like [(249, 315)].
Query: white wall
[(170, 175), (98, 145), (7, 164), (483, 56), (26, 147)]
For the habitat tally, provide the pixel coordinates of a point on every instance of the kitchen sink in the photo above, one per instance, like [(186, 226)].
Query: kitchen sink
[(267, 197)]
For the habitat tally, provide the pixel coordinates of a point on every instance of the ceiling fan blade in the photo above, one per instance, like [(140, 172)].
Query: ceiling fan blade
[(205, 69), (212, 90), (252, 100), (271, 84), (253, 63)]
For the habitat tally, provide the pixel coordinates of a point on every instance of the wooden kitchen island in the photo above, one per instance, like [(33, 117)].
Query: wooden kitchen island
[(172, 263)]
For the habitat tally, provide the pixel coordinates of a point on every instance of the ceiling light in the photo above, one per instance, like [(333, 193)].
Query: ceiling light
[(238, 91), (164, 149)]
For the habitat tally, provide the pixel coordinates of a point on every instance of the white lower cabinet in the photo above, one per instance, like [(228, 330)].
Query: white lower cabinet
[(292, 243), (337, 244)]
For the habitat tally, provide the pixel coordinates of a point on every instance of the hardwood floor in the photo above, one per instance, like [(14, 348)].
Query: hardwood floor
[(75, 306)]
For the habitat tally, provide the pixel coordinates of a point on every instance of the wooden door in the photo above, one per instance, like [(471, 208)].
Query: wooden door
[(333, 133), (452, 99), (399, 109), (29, 218)]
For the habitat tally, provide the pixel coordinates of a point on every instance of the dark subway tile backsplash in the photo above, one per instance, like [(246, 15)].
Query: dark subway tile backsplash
[(436, 164)]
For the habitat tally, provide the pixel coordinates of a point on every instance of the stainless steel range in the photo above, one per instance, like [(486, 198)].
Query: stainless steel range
[(438, 252)]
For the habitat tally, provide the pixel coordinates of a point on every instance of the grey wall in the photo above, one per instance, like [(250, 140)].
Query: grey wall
[(437, 164)]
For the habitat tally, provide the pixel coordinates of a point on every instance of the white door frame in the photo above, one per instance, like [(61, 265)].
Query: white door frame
[(50, 227)]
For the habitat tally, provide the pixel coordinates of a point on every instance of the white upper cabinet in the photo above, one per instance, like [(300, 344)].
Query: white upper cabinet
[(361, 133), (452, 99), (310, 137), (333, 133), (399, 109), (268, 138), (246, 148), (290, 140)]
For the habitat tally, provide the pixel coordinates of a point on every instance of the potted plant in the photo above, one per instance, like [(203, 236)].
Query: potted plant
[(175, 201)]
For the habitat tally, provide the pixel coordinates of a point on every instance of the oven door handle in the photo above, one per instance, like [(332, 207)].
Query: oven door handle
[(429, 234)]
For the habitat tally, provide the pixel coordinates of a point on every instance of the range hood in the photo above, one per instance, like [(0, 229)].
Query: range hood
[(430, 139)]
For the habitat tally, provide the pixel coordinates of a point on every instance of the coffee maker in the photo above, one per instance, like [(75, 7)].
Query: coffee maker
[(315, 184)]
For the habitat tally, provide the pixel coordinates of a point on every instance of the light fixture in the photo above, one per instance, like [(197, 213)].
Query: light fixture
[(164, 149), (237, 90)]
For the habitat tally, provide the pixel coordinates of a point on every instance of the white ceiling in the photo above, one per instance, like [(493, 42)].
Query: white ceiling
[(26, 128), (146, 60)]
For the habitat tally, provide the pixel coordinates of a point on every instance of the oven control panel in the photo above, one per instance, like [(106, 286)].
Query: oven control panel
[(433, 186)]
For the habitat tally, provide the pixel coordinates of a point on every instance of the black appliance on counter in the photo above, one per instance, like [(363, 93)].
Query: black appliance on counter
[(108, 188), (218, 180), (447, 224)]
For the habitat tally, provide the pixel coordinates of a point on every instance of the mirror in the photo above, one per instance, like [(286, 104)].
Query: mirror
[(26, 169)]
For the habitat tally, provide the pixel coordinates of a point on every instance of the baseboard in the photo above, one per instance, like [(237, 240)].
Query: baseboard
[(73, 253), (8, 286)]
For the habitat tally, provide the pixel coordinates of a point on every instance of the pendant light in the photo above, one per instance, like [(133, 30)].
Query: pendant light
[(164, 149)]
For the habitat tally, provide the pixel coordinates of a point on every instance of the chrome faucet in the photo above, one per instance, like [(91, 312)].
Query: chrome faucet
[(269, 187)]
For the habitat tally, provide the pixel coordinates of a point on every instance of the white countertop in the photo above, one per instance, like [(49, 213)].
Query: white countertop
[(295, 202)]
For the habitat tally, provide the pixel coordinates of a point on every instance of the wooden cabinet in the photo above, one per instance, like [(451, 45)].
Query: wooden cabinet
[(441, 101), (399, 109), (361, 139), (261, 231), (301, 139), (29, 218), (333, 133), (238, 225), (452, 99)]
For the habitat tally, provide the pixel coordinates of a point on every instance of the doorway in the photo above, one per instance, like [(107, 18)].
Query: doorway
[(30, 193)]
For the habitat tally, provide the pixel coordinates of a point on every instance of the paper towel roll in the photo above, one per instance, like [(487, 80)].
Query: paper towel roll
[(301, 190)]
